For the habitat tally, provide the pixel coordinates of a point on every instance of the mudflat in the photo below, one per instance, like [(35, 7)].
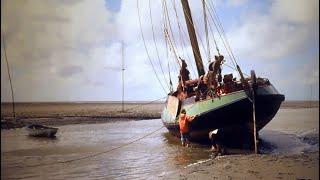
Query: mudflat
[(261, 166), (293, 138), (76, 113), (63, 113)]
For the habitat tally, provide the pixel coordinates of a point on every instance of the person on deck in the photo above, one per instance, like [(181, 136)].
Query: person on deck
[(184, 121), (184, 73), (201, 87), (215, 69)]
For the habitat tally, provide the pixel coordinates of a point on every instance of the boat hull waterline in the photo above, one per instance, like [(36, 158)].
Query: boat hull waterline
[(230, 110), (41, 130)]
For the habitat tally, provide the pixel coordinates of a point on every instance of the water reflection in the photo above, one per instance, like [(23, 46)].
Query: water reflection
[(118, 153)]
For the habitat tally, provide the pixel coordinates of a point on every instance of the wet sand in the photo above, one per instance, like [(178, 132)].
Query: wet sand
[(76, 113), (261, 166), (88, 113), (303, 123), (285, 156)]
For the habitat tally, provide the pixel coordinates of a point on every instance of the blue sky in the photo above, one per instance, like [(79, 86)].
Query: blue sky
[(71, 50)]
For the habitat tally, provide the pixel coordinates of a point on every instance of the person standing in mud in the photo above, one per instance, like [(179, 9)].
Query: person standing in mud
[(215, 137), (184, 121)]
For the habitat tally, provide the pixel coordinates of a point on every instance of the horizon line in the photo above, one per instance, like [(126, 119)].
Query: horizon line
[(120, 101)]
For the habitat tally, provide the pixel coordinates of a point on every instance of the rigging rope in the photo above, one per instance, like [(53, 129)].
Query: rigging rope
[(12, 95), (167, 54), (171, 85), (171, 47), (169, 22), (206, 29), (147, 48), (223, 33), (181, 37), (146, 103), (166, 39), (196, 31), (155, 44), (190, 40), (223, 40), (166, 42)]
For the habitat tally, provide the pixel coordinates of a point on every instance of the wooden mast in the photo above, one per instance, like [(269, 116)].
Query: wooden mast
[(193, 37), (122, 77)]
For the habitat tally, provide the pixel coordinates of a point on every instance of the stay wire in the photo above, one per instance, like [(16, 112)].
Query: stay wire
[(144, 42), (167, 39), (167, 53), (223, 38), (169, 23), (222, 30), (12, 94), (183, 44), (155, 44), (218, 30), (196, 30), (206, 29), (172, 49), (190, 43), (223, 33)]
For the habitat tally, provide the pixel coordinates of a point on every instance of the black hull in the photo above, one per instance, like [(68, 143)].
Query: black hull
[(237, 116)]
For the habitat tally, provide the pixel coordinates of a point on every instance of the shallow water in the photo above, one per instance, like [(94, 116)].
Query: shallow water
[(128, 150)]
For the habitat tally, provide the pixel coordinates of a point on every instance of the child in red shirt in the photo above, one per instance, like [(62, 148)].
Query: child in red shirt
[(184, 120)]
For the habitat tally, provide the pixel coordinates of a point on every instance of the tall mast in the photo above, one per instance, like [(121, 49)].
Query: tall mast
[(193, 37), (5, 53), (122, 77)]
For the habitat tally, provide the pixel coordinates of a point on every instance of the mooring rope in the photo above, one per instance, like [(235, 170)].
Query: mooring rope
[(146, 103), (86, 157)]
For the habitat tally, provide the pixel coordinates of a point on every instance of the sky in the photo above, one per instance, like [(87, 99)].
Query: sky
[(72, 50)]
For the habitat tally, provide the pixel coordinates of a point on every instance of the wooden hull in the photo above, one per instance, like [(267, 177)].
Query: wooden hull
[(231, 110), (41, 131)]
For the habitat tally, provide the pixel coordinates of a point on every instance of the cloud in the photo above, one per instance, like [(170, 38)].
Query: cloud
[(278, 33), (53, 40), (236, 3), (295, 11), (71, 50), (70, 70)]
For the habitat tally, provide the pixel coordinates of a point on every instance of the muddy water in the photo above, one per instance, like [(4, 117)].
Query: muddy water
[(120, 157), (127, 150)]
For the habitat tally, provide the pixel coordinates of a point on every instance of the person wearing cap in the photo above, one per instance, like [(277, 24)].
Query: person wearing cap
[(184, 121)]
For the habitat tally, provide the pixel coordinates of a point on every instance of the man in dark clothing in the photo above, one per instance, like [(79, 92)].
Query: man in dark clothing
[(184, 72), (215, 68), (216, 138)]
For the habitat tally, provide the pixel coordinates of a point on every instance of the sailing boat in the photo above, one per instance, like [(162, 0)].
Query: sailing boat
[(219, 102)]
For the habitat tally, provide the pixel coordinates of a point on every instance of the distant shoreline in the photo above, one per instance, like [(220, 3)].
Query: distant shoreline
[(299, 104), (288, 103), (60, 113)]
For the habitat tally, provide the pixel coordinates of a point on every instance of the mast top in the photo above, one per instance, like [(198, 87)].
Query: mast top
[(193, 37)]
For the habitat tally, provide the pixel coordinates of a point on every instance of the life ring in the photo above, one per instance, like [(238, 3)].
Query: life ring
[(253, 78)]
